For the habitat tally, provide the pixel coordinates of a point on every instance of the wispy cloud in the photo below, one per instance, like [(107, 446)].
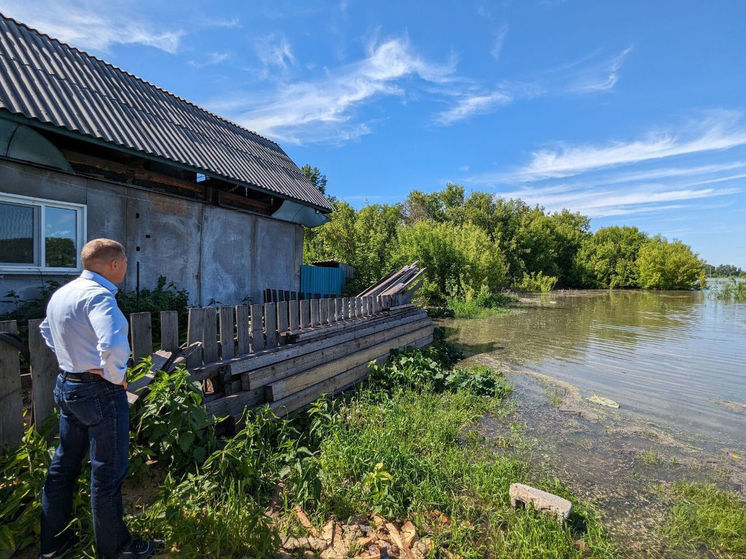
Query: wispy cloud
[(589, 74), (716, 133), (94, 25), (471, 105), (274, 51), (599, 76), (225, 23), (212, 59), (497, 45), (323, 110)]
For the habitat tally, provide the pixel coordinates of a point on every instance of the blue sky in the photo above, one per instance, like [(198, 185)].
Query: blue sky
[(630, 112)]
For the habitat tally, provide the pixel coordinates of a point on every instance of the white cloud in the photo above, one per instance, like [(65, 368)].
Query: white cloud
[(274, 51), (471, 105), (212, 59), (92, 25), (225, 23), (600, 76), (323, 110), (717, 133), (497, 45)]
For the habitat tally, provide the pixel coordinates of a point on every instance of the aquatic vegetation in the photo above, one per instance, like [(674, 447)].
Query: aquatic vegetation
[(704, 515), (730, 290)]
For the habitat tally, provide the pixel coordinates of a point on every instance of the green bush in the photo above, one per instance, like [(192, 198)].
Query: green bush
[(536, 281), (730, 290)]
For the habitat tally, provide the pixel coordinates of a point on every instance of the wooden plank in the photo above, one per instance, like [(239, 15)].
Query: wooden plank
[(11, 400), (333, 385), (297, 382), (141, 334), (314, 313), (297, 365), (257, 328), (345, 309), (242, 329), (227, 333), (282, 317), (211, 335), (233, 405), (270, 323), (359, 307), (44, 370), (195, 333), (294, 322), (305, 312), (169, 330), (322, 312)]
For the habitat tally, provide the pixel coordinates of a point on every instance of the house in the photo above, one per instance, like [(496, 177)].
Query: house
[(89, 150)]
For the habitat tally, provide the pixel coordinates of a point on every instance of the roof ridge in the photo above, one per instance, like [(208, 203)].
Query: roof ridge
[(118, 69)]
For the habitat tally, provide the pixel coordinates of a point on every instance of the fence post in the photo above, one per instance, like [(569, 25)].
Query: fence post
[(141, 333), (314, 313), (304, 313), (293, 305), (11, 417), (44, 369), (282, 317)]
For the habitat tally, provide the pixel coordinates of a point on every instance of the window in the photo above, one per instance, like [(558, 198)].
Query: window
[(40, 235)]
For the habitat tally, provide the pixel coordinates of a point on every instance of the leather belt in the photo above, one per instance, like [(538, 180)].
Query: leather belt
[(80, 377)]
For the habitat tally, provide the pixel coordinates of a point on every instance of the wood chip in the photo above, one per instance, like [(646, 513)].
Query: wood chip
[(398, 540), (409, 533), (327, 532), (305, 522)]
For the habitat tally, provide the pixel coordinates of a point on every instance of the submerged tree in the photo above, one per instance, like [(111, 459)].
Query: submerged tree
[(668, 265)]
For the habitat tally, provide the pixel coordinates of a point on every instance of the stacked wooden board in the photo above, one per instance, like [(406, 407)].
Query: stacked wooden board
[(322, 361)]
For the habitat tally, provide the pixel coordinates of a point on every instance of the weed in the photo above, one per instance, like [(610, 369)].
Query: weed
[(649, 457), (730, 290), (536, 281), (171, 423)]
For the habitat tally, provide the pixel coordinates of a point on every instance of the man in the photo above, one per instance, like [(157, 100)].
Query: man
[(88, 334)]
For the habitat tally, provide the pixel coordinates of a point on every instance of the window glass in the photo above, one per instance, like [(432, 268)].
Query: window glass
[(60, 233), (16, 234)]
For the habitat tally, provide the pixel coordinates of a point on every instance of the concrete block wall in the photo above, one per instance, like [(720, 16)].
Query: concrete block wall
[(216, 254)]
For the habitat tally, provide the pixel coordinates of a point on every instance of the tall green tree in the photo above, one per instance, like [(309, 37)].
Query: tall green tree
[(608, 259), (668, 265)]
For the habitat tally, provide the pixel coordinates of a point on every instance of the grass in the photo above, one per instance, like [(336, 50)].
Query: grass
[(480, 305), (405, 444), (704, 516), (555, 394)]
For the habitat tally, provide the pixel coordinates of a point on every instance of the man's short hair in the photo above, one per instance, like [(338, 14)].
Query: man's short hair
[(99, 252)]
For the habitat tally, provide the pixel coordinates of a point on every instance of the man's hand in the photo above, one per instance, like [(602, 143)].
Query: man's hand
[(100, 373)]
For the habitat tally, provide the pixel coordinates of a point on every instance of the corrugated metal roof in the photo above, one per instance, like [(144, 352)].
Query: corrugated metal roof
[(56, 84)]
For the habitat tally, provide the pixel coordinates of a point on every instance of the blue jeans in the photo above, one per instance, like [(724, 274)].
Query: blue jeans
[(94, 417)]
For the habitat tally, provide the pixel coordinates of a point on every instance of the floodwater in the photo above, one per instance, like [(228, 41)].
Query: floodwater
[(675, 362), (675, 358)]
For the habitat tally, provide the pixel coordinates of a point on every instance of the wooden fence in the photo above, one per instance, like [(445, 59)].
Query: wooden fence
[(285, 353)]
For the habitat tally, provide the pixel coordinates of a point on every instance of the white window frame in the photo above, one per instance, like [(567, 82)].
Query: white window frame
[(81, 219)]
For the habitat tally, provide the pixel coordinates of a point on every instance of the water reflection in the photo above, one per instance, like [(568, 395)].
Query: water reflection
[(672, 357)]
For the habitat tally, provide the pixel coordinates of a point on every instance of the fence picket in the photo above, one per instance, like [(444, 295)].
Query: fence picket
[(242, 328), (44, 369), (169, 330), (305, 310), (227, 332), (11, 418), (257, 328), (195, 333), (141, 334), (270, 323), (294, 319)]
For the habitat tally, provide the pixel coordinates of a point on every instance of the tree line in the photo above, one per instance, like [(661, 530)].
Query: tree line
[(477, 242)]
